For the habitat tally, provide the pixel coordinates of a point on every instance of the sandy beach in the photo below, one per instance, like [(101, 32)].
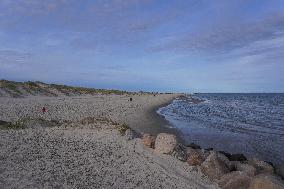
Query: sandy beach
[(73, 155), (140, 113)]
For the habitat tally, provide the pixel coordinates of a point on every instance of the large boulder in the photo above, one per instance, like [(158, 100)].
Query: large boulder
[(194, 157), (266, 181), (261, 166), (148, 140), (165, 143), (214, 166), (244, 167), (204, 153), (235, 180), (180, 152), (226, 161)]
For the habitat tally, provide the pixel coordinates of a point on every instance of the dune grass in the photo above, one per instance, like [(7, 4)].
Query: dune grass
[(28, 122), (12, 86), (18, 89), (122, 128)]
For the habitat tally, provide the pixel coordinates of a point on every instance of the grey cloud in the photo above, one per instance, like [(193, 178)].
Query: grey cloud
[(226, 38), (119, 20)]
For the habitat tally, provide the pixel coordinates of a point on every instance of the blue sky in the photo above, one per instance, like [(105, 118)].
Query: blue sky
[(162, 45)]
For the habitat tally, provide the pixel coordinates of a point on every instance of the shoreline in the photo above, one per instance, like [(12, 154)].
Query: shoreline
[(276, 168), (211, 147), (165, 125), (140, 113), (149, 121), (108, 133)]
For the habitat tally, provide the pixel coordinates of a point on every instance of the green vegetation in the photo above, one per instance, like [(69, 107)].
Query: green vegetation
[(40, 88), (84, 90), (35, 88), (27, 122), (32, 84), (12, 86), (20, 124)]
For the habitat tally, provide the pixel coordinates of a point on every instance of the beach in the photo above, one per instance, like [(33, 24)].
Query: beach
[(113, 141), (89, 156), (140, 113)]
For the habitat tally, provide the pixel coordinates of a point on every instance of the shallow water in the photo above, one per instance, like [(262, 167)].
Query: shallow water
[(252, 124)]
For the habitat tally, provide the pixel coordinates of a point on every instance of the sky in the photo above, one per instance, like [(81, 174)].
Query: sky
[(149, 45)]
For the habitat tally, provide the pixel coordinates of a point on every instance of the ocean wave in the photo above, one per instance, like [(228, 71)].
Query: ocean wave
[(244, 116)]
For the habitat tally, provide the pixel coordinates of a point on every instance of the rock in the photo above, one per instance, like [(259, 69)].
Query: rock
[(246, 168), (228, 155), (214, 167), (204, 153), (165, 143), (87, 120), (180, 152), (148, 140), (209, 149), (190, 150), (234, 157), (266, 181), (130, 134), (193, 146), (194, 160), (226, 161), (279, 170), (235, 180), (261, 166), (194, 157), (269, 162), (238, 157)]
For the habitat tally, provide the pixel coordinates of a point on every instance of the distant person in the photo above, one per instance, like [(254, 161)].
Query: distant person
[(43, 110), (130, 99)]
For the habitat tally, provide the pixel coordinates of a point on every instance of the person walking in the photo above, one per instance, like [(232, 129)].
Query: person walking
[(43, 110)]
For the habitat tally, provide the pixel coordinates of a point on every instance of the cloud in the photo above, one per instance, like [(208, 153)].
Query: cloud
[(176, 43), (31, 7), (261, 52), (14, 59), (230, 36)]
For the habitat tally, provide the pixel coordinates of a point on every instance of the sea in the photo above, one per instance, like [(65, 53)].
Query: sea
[(251, 124)]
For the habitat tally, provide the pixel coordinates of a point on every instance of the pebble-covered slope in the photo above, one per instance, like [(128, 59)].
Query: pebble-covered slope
[(94, 156)]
